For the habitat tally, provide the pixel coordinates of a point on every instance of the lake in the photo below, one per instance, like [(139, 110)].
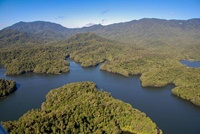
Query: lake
[(171, 114), (193, 64)]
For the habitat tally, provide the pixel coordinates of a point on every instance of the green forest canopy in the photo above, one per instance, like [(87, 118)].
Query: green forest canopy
[(156, 68), (81, 108), (6, 87)]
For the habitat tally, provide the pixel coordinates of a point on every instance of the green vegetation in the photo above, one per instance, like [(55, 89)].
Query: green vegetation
[(81, 108), (154, 49), (185, 79), (38, 59), (16, 38), (156, 69), (6, 87), (178, 38), (159, 72)]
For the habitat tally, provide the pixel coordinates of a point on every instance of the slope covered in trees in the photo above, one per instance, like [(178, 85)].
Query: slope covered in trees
[(89, 49), (156, 68), (10, 37), (176, 36), (153, 49), (81, 108), (180, 38), (6, 87), (38, 59)]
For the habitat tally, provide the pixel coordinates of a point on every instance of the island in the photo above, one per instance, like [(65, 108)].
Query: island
[(81, 108), (6, 87)]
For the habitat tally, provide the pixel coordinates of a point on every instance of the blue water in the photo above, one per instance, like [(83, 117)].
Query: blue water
[(194, 64), (171, 114)]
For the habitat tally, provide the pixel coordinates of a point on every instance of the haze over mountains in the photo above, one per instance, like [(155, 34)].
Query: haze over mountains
[(142, 32), (175, 37)]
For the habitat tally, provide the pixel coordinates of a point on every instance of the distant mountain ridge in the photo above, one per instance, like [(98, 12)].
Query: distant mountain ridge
[(144, 32), (41, 26), (37, 26), (138, 31), (46, 31)]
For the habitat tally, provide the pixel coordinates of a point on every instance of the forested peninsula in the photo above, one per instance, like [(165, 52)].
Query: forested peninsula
[(149, 47), (81, 108), (7, 87)]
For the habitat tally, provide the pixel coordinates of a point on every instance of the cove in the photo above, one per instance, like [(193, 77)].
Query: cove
[(172, 114), (193, 64)]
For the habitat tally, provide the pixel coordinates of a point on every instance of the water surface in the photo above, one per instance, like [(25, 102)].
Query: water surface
[(194, 64), (171, 114)]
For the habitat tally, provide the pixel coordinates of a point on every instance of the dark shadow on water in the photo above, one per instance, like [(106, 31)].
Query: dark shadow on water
[(186, 102), (12, 92), (18, 86)]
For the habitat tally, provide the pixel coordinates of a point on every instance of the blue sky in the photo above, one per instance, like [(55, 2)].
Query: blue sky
[(79, 13)]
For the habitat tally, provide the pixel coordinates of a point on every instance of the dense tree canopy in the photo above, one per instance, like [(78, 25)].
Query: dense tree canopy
[(156, 68), (81, 108), (149, 47), (36, 59), (6, 87)]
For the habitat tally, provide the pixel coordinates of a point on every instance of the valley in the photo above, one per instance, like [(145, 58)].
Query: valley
[(151, 48)]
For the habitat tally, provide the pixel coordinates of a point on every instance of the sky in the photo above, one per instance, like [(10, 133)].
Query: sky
[(80, 13)]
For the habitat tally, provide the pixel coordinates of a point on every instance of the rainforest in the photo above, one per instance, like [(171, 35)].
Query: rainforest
[(6, 87), (151, 48)]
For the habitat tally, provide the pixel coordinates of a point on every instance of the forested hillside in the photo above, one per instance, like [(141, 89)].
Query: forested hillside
[(81, 108), (6, 87), (153, 49), (156, 68), (180, 38), (15, 38), (38, 59)]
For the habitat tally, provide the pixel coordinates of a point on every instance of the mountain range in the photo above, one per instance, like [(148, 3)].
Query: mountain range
[(147, 31), (175, 37)]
